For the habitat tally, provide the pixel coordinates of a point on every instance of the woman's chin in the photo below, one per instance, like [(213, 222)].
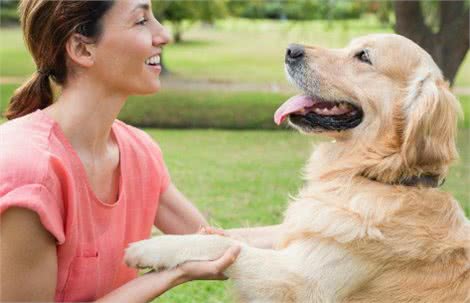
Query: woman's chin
[(149, 89)]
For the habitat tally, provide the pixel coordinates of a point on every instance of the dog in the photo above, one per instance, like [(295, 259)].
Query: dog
[(370, 224)]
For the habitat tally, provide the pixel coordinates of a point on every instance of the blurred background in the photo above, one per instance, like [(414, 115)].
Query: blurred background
[(223, 80)]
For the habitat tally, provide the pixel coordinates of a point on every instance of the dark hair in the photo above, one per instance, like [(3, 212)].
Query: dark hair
[(47, 25)]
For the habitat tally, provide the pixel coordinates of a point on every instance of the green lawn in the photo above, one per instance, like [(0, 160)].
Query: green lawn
[(240, 50)]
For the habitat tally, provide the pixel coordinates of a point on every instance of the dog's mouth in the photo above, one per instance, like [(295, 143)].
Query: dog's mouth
[(312, 113)]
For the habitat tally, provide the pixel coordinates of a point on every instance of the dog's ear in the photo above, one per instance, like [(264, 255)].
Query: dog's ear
[(431, 112)]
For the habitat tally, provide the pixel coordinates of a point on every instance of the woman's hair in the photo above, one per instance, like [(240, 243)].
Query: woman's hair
[(47, 25)]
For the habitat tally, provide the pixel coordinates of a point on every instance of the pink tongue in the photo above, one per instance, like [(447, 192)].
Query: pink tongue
[(292, 105)]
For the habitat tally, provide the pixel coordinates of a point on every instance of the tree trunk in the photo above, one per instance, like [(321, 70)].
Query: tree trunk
[(177, 31), (165, 70), (449, 46)]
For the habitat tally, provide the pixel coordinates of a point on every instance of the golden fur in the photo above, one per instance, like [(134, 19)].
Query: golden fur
[(350, 235)]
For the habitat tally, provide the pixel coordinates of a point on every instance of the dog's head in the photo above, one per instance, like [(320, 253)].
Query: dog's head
[(383, 92)]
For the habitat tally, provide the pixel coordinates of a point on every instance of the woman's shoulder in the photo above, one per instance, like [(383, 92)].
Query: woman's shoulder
[(24, 148), (144, 153), (26, 178), (30, 130), (136, 136)]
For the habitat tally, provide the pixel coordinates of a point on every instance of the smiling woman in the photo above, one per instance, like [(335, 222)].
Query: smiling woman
[(77, 185)]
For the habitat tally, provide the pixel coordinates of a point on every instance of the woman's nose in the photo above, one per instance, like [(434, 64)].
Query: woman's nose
[(161, 35)]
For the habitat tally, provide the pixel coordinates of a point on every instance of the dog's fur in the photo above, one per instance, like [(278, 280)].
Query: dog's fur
[(352, 234)]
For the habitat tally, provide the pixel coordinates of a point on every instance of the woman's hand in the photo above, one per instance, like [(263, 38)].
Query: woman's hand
[(209, 270), (209, 230)]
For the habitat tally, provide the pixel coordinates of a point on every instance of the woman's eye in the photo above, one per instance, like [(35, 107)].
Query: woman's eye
[(363, 56), (142, 22)]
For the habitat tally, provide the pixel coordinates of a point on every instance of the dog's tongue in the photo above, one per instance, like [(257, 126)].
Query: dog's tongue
[(294, 104)]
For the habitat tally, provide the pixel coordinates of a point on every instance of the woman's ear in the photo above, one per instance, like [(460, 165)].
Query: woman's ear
[(431, 114), (80, 50)]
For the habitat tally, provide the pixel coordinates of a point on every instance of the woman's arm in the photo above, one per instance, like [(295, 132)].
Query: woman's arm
[(261, 237), (177, 215), (153, 284), (28, 254)]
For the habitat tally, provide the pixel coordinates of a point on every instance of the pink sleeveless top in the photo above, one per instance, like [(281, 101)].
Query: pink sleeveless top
[(40, 171)]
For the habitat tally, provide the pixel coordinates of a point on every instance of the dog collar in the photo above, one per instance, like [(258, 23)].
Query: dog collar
[(423, 180)]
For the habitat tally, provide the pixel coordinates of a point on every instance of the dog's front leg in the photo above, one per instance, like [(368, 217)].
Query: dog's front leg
[(165, 252), (260, 275)]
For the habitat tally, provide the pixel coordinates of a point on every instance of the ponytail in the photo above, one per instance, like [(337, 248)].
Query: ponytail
[(34, 94), (47, 26)]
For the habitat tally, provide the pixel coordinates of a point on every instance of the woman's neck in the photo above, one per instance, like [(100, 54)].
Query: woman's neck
[(85, 113)]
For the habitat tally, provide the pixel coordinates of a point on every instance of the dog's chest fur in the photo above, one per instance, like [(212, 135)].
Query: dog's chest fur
[(365, 244), (332, 273)]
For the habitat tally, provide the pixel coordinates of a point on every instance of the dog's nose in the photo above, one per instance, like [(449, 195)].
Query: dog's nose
[(294, 52)]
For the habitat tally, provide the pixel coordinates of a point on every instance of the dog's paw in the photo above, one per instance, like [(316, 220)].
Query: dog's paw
[(146, 254)]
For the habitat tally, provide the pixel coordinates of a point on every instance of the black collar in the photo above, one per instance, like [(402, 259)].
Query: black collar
[(423, 180)]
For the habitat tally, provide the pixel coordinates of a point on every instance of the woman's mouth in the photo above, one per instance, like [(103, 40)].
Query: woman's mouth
[(154, 63)]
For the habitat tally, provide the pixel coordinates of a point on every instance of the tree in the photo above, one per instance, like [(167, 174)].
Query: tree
[(440, 27), (182, 13)]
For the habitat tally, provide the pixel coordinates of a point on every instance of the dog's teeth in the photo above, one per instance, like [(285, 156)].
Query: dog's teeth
[(338, 110)]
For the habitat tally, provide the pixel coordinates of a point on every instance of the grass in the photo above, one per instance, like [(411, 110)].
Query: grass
[(240, 50), (465, 102), (204, 109), (243, 178)]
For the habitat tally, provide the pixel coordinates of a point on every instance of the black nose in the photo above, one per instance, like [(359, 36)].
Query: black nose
[(294, 53)]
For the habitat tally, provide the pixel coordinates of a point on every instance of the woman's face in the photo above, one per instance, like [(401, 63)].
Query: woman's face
[(127, 55)]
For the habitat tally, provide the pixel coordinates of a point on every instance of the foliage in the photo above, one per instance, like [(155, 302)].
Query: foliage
[(9, 13), (177, 12), (431, 16), (383, 9), (296, 10)]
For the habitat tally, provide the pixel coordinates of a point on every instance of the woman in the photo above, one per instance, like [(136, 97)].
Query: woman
[(77, 185)]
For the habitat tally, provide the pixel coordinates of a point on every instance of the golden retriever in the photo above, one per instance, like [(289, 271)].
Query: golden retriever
[(370, 224)]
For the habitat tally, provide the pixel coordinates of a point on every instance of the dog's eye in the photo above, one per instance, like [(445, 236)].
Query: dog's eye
[(363, 56)]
